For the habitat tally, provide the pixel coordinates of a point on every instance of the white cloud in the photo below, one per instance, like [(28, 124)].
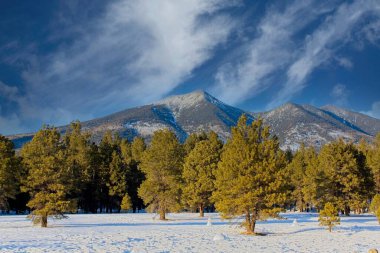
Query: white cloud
[(344, 62), (270, 51), (277, 50), (321, 45), (340, 94), (7, 91), (136, 52), (374, 111)]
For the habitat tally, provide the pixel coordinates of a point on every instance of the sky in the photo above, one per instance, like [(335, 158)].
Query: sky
[(80, 59)]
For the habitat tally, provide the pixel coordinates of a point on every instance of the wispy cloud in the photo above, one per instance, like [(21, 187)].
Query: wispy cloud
[(374, 111), (319, 47), (277, 51), (137, 51), (272, 50), (340, 94), (344, 62)]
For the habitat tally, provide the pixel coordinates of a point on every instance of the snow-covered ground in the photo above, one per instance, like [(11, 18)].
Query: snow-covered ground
[(185, 232)]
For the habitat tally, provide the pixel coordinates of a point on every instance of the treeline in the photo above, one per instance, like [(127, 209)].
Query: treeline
[(248, 175)]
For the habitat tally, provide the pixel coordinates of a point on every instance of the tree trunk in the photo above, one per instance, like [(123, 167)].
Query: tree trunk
[(44, 221), (201, 211), (162, 215), (250, 222), (347, 211)]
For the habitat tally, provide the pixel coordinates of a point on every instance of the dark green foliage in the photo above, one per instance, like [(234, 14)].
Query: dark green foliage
[(10, 173)]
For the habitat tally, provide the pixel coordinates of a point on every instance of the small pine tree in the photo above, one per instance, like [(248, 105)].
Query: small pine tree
[(375, 206), (126, 203), (329, 216)]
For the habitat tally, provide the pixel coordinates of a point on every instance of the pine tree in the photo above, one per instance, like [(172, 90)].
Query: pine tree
[(192, 140), (329, 216), (198, 172), (117, 184), (300, 180), (78, 161), (10, 173), (126, 203), (348, 181), (375, 206), (374, 162), (133, 157), (162, 164), (107, 146), (47, 181), (250, 176)]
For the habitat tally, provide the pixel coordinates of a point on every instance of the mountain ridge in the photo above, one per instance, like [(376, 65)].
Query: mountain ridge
[(199, 111)]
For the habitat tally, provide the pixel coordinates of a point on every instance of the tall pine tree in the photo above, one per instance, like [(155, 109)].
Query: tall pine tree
[(10, 173), (162, 164), (250, 175), (198, 172), (374, 162), (48, 180), (300, 176), (348, 182)]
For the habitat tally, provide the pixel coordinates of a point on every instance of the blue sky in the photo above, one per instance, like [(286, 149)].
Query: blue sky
[(67, 60)]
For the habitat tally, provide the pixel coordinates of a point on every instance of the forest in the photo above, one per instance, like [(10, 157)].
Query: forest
[(248, 175)]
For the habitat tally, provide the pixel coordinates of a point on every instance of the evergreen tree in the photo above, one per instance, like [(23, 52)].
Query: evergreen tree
[(250, 176), (48, 181), (117, 184), (375, 206), (329, 216), (10, 173), (107, 146), (198, 172), (192, 140), (136, 177), (348, 181), (126, 203), (78, 161), (162, 164), (300, 180), (374, 162)]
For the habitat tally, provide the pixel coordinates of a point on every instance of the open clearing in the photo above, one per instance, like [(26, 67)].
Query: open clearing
[(185, 232)]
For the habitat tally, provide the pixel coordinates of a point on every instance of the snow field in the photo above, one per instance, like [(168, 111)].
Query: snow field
[(186, 232)]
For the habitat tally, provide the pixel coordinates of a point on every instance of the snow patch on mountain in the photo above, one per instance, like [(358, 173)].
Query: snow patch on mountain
[(145, 129)]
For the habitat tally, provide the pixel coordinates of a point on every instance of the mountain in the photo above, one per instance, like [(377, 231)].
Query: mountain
[(363, 122), (199, 111), (184, 114), (295, 124)]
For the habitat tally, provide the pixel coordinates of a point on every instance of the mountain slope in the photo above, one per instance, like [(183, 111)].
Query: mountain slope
[(295, 124), (363, 122), (184, 114), (199, 111)]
